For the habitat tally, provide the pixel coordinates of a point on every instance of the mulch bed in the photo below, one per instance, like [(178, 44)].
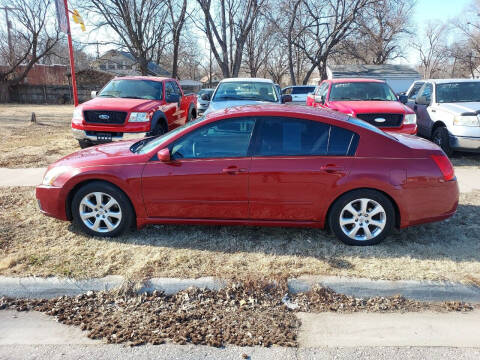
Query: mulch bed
[(244, 314)]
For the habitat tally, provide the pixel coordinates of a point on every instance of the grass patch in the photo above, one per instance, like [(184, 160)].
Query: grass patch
[(25, 144), (32, 244)]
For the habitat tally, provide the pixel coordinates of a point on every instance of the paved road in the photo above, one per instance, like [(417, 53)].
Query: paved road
[(32, 335)]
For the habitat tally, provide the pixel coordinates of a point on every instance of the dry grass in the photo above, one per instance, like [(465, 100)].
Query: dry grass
[(24, 144), (32, 244)]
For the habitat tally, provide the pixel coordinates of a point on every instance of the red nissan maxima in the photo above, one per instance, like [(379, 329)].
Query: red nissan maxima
[(272, 165)]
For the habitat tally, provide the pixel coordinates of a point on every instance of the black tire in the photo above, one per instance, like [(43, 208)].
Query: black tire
[(159, 129), (123, 204), (441, 138), (387, 217), (84, 144)]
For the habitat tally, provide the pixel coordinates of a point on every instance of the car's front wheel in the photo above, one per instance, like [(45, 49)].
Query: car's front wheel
[(101, 209), (362, 217)]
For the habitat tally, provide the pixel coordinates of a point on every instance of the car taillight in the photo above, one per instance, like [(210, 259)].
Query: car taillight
[(445, 166)]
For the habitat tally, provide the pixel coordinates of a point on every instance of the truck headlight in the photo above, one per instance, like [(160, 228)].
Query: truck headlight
[(53, 174), (138, 117), (410, 119), (466, 120), (78, 113)]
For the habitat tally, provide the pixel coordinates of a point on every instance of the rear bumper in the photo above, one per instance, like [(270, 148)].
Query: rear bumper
[(466, 143), (116, 136), (51, 201)]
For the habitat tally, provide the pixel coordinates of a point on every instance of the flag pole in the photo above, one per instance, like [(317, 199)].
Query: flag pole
[(72, 60)]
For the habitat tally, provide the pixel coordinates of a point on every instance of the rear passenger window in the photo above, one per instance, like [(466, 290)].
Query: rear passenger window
[(299, 137)]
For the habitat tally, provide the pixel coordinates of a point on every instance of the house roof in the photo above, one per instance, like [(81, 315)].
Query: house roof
[(155, 69), (373, 71)]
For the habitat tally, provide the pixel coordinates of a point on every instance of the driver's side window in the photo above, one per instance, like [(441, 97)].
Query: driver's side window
[(228, 138), (427, 92)]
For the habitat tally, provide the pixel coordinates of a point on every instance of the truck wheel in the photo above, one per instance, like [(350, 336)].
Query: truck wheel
[(160, 129), (84, 144), (441, 138)]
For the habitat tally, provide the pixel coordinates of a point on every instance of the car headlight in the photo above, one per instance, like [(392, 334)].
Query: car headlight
[(53, 174), (138, 117), (410, 119), (77, 113), (466, 120)]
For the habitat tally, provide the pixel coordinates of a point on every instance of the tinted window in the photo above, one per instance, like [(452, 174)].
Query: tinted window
[(295, 137), (221, 139), (303, 90), (413, 93)]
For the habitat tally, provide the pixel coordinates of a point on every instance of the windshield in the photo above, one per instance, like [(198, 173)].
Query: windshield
[(154, 142), (247, 90), (361, 91), (458, 92), (133, 89)]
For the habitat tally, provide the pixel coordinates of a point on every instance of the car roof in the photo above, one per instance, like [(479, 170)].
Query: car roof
[(151, 78), (277, 110), (342, 80), (446, 81), (247, 80), (299, 86)]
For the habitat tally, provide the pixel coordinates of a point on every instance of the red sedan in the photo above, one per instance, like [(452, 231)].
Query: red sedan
[(271, 165)]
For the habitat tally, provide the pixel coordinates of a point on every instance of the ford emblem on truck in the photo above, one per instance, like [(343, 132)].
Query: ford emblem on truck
[(380, 120), (104, 117)]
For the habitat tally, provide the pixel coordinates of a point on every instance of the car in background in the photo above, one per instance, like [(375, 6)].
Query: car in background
[(367, 99), (203, 100), (232, 92), (448, 112), (264, 165), (298, 92), (132, 107)]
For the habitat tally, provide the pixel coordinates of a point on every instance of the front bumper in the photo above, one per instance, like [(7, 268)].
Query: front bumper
[(116, 136), (51, 201), (409, 129), (465, 143)]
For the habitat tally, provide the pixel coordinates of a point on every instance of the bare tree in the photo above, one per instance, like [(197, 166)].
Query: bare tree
[(177, 10), (141, 26), (227, 24), (432, 49), (379, 32), (32, 40)]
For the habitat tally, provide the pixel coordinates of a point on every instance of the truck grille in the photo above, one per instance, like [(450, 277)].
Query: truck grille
[(391, 120), (104, 117)]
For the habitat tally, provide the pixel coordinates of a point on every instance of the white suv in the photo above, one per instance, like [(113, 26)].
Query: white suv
[(448, 112)]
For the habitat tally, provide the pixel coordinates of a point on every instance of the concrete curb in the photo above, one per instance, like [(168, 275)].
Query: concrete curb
[(411, 289), (36, 287)]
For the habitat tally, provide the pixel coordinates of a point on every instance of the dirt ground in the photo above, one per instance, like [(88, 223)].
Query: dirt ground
[(32, 244), (24, 144)]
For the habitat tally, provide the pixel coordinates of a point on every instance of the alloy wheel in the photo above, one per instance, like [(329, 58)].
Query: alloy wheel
[(363, 219), (100, 212)]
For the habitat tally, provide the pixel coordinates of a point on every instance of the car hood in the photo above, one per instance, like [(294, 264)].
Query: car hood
[(459, 108), (106, 154), (119, 104), (366, 107), (220, 105)]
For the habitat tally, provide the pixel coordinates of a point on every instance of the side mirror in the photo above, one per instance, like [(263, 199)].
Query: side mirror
[(173, 98), (164, 155), (403, 98), (320, 99), (286, 98), (421, 100), (93, 94), (205, 97)]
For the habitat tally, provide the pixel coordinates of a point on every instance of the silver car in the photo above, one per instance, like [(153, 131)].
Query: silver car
[(203, 100)]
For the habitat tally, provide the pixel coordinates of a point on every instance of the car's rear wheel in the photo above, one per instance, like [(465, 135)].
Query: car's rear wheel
[(362, 217), (101, 209), (441, 138)]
